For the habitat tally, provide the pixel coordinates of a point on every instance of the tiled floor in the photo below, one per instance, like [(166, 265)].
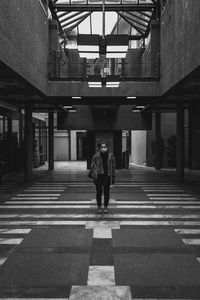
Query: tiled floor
[(53, 244)]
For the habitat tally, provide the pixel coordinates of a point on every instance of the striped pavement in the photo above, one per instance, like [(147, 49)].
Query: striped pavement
[(135, 205)]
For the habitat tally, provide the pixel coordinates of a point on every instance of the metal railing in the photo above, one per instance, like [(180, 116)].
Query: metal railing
[(132, 68)]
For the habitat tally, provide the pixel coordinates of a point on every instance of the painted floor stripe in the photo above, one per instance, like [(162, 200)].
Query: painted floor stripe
[(172, 198), (2, 261), (163, 190), (32, 198), (109, 216), (165, 223), (7, 241), (102, 233), (159, 202), (47, 190), (48, 202), (101, 275), (7, 206), (198, 258), (191, 241), (33, 223), (187, 231), (14, 231), (39, 195), (165, 195)]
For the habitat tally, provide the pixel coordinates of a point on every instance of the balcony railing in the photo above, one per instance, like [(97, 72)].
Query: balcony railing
[(137, 66)]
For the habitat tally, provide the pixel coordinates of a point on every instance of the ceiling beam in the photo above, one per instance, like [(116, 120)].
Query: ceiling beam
[(108, 7)]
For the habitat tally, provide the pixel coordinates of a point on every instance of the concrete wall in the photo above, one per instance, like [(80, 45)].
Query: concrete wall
[(168, 128), (61, 146), (138, 147), (180, 42), (24, 40)]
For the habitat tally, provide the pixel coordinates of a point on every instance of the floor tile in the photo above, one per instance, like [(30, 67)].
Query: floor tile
[(100, 293), (101, 275), (102, 233)]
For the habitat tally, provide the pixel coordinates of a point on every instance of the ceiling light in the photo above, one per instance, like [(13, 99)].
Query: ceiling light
[(136, 110), (131, 97), (89, 55), (67, 107), (112, 84), (76, 97), (95, 84), (140, 106)]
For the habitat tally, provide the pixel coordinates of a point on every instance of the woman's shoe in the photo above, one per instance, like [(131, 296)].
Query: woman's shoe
[(105, 210), (99, 210)]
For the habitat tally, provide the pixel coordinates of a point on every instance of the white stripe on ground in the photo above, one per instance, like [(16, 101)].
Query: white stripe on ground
[(191, 241), (39, 195), (2, 261), (7, 241), (187, 231), (14, 231)]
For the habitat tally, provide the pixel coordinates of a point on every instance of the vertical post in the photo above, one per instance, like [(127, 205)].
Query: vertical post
[(158, 154), (69, 134), (20, 129), (28, 144), (9, 126), (180, 142), (51, 141), (191, 138), (4, 124)]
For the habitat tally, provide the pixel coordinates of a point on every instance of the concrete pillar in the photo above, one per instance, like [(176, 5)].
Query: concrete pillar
[(155, 47), (158, 154), (180, 142), (9, 126), (28, 144), (73, 145), (117, 148), (90, 147), (51, 141), (191, 138)]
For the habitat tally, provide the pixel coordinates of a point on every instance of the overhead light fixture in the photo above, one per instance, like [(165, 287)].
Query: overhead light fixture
[(140, 106), (132, 97), (112, 84), (88, 45), (136, 110), (77, 97), (113, 46), (117, 45), (67, 106), (95, 84)]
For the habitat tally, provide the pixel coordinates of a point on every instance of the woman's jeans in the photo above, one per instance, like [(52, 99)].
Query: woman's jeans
[(103, 183)]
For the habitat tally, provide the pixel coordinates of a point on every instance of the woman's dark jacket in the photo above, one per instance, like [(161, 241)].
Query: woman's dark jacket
[(97, 166)]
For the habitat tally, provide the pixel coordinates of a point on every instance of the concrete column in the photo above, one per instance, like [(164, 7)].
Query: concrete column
[(51, 141), (158, 154), (180, 142), (191, 138), (73, 145), (9, 126), (28, 144)]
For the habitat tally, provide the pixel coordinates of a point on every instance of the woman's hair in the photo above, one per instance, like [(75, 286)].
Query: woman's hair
[(104, 144)]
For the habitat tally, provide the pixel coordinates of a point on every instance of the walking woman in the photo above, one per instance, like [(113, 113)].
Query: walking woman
[(103, 175)]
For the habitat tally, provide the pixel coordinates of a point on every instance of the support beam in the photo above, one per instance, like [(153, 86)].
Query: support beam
[(51, 141), (108, 7), (28, 144), (180, 142), (158, 158)]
